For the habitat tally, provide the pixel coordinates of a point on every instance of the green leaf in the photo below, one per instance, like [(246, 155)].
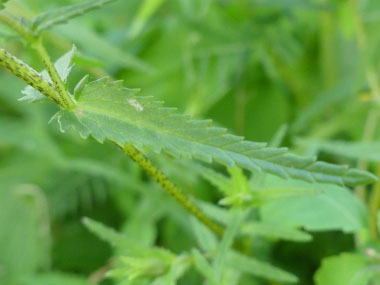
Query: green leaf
[(205, 238), (147, 9), (334, 208), (63, 14), (24, 244), (345, 269), (235, 221), (275, 231), (261, 196), (250, 265), (179, 267), (203, 267), (110, 111), (94, 44), (126, 246), (135, 261), (54, 278), (368, 151), (2, 2), (63, 66)]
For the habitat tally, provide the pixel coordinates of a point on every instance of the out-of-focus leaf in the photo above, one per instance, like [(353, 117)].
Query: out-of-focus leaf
[(236, 219), (205, 238), (202, 265), (345, 269), (2, 2), (135, 261), (147, 9), (250, 265), (24, 244), (63, 14), (93, 44), (368, 151), (275, 231), (334, 208), (55, 278)]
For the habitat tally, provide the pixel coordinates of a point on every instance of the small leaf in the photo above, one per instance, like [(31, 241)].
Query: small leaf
[(103, 110), (115, 239), (236, 219), (205, 238), (80, 86), (63, 67), (203, 267), (63, 14)]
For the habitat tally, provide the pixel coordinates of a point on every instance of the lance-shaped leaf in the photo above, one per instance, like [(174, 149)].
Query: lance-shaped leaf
[(65, 13), (109, 111)]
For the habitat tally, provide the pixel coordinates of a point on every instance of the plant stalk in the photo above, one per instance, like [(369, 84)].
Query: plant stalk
[(63, 99), (374, 205), (28, 74), (171, 188)]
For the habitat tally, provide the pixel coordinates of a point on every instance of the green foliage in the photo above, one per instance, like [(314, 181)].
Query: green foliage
[(108, 111), (347, 268), (2, 2), (65, 13), (333, 208), (300, 75), (63, 66)]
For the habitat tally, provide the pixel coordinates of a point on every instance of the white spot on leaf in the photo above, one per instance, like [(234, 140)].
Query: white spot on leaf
[(135, 104)]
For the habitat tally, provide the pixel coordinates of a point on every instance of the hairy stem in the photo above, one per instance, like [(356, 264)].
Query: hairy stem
[(63, 98), (171, 189), (28, 74)]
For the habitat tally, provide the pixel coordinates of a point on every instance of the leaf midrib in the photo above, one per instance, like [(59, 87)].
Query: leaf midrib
[(151, 127)]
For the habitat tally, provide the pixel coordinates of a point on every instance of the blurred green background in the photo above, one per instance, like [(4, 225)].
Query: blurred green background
[(307, 71)]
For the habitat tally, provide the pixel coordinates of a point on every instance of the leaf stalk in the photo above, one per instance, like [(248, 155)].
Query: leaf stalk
[(171, 188)]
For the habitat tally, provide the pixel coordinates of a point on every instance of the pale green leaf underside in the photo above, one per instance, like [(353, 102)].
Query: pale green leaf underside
[(109, 111), (63, 14)]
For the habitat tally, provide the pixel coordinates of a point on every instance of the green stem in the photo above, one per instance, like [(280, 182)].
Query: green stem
[(374, 205), (371, 74), (368, 135), (65, 99), (373, 82), (171, 189), (28, 74)]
